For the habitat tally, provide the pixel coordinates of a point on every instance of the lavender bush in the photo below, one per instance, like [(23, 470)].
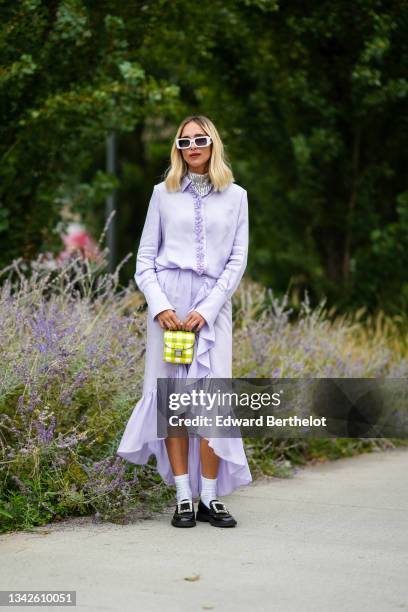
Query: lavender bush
[(318, 344), (72, 347)]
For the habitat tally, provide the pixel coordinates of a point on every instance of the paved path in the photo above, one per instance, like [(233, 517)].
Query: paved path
[(333, 538)]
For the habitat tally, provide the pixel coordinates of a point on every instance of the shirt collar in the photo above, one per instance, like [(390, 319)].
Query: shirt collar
[(185, 181)]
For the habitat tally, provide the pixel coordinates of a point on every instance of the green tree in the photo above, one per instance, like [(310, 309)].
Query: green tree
[(66, 81)]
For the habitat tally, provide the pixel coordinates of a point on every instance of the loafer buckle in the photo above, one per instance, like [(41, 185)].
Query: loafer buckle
[(222, 508), (187, 503)]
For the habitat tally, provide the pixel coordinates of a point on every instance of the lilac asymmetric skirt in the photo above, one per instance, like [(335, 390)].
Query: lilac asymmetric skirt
[(212, 358)]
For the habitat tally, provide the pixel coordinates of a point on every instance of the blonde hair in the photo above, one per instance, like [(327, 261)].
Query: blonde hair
[(219, 170)]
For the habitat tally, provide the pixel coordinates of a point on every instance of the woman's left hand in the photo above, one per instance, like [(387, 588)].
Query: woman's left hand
[(193, 320)]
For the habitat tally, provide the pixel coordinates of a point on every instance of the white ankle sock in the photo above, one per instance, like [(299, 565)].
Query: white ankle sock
[(208, 490), (183, 487)]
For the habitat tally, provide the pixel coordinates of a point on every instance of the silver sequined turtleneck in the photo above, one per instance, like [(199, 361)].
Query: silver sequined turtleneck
[(201, 182)]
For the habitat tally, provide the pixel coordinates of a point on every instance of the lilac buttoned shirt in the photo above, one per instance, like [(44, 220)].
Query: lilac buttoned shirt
[(208, 234)]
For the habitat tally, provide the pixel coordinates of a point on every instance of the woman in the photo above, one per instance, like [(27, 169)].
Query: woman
[(191, 258)]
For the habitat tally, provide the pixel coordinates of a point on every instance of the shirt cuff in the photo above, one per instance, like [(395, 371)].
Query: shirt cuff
[(156, 300), (210, 307)]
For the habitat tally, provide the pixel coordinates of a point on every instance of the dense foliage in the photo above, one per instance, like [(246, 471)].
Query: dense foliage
[(310, 99)]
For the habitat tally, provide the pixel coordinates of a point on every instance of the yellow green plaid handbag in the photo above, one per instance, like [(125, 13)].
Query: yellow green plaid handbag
[(178, 346)]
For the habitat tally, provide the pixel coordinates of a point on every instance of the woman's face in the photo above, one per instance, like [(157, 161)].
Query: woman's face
[(197, 158)]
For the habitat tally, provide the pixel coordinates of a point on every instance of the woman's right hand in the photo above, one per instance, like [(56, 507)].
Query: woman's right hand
[(169, 320)]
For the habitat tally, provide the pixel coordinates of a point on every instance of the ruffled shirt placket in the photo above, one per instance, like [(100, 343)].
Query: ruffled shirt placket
[(199, 230)]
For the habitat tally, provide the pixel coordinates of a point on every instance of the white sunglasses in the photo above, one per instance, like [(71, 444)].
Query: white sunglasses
[(198, 141)]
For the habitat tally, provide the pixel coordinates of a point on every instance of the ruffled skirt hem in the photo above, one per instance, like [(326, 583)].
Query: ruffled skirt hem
[(139, 442)]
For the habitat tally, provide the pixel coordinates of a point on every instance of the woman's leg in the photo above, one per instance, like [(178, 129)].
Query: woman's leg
[(209, 460), (177, 450), (209, 469)]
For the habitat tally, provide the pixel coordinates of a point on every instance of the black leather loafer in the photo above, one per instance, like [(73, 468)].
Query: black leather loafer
[(184, 515), (217, 514)]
